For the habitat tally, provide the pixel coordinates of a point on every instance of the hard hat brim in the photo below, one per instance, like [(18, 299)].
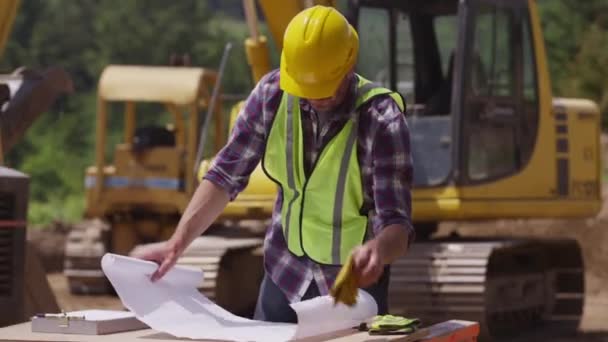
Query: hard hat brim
[(306, 91)]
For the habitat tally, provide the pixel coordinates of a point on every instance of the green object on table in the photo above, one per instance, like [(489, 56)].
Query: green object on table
[(390, 324)]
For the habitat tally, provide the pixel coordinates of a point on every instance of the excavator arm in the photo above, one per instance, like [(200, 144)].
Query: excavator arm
[(8, 12), (277, 13)]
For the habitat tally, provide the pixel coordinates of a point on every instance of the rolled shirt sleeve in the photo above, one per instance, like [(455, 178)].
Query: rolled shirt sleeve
[(392, 170), (235, 162)]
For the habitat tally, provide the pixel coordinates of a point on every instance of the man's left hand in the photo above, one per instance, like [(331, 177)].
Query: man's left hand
[(368, 263)]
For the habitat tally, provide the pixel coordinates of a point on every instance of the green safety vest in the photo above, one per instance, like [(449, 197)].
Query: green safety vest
[(321, 215)]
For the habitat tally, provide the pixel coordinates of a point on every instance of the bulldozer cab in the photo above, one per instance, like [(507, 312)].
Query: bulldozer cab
[(483, 123), (152, 166)]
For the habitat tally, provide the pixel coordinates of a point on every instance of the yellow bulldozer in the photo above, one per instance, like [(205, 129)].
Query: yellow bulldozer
[(138, 197), (488, 140)]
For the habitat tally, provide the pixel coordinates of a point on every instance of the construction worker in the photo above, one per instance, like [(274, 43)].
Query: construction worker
[(338, 147)]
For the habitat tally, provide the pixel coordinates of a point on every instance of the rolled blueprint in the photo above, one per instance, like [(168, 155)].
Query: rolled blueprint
[(175, 306), (182, 276)]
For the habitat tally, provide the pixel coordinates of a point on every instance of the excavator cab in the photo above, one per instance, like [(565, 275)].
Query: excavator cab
[(488, 140)]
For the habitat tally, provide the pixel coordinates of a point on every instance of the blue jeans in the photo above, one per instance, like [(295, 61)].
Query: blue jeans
[(272, 305)]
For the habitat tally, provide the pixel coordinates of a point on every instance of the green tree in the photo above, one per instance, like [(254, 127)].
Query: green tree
[(589, 70), (576, 36)]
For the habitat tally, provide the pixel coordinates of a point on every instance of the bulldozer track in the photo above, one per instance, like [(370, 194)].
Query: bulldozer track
[(210, 265), (85, 246), (507, 286)]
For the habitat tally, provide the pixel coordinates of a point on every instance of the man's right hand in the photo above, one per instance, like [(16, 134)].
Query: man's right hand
[(205, 206), (163, 253)]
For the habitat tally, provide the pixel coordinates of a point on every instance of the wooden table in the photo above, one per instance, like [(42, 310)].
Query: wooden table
[(449, 331)]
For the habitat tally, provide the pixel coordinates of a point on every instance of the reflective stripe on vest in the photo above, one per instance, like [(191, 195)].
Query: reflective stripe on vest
[(290, 172), (321, 215)]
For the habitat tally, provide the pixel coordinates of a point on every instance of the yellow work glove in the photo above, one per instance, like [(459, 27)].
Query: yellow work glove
[(345, 287)]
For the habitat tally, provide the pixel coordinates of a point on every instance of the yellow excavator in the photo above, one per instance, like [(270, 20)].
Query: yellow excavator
[(25, 94), (488, 140)]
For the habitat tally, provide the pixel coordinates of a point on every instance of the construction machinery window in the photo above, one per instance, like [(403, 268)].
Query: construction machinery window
[(410, 49), (500, 97), (153, 125), (411, 52), (375, 53)]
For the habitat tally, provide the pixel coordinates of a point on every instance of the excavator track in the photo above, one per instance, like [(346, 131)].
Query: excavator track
[(510, 287)]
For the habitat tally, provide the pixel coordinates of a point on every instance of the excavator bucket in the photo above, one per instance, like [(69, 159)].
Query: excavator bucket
[(24, 96)]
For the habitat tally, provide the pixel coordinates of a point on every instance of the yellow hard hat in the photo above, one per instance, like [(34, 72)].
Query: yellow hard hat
[(319, 48)]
